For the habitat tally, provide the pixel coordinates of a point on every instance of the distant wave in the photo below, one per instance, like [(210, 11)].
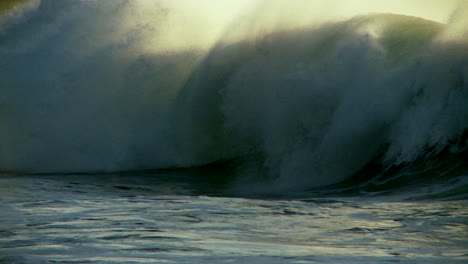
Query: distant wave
[(301, 108)]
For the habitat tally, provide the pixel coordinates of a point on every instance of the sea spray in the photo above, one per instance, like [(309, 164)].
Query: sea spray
[(130, 85)]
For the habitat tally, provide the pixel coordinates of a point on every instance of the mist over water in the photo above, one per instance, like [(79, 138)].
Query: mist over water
[(233, 131), (105, 86)]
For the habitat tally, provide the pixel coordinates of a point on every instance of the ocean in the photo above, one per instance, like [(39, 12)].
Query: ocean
[(233, 131)]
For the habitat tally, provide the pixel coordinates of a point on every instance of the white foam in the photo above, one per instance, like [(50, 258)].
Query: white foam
[(83, 91)]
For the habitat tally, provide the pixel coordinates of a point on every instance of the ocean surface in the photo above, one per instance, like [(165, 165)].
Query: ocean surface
[(233, 132)]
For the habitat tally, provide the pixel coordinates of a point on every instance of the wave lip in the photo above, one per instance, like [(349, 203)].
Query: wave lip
[(307, 107)]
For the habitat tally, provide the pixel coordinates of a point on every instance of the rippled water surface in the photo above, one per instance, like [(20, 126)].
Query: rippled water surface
[(251, 131), (79, 219)]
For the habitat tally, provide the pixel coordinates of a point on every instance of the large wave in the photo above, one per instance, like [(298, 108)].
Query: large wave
[(102, 86)]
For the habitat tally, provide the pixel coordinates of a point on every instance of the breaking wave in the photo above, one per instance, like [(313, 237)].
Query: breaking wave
[(85, 90)]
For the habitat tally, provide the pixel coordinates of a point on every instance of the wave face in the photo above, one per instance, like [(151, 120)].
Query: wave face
[(102, 86)]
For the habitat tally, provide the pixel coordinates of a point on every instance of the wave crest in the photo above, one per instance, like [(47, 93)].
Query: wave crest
[(306, 107)]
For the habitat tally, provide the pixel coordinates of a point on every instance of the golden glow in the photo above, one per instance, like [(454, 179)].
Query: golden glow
[(190, 23), (7, 5), (200, 23), (437, 10)]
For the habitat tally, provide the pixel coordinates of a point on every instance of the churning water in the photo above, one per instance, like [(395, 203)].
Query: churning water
[(232, 132)]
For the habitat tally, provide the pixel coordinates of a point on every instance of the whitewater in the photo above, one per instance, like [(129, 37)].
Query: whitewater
[(233, 131)]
